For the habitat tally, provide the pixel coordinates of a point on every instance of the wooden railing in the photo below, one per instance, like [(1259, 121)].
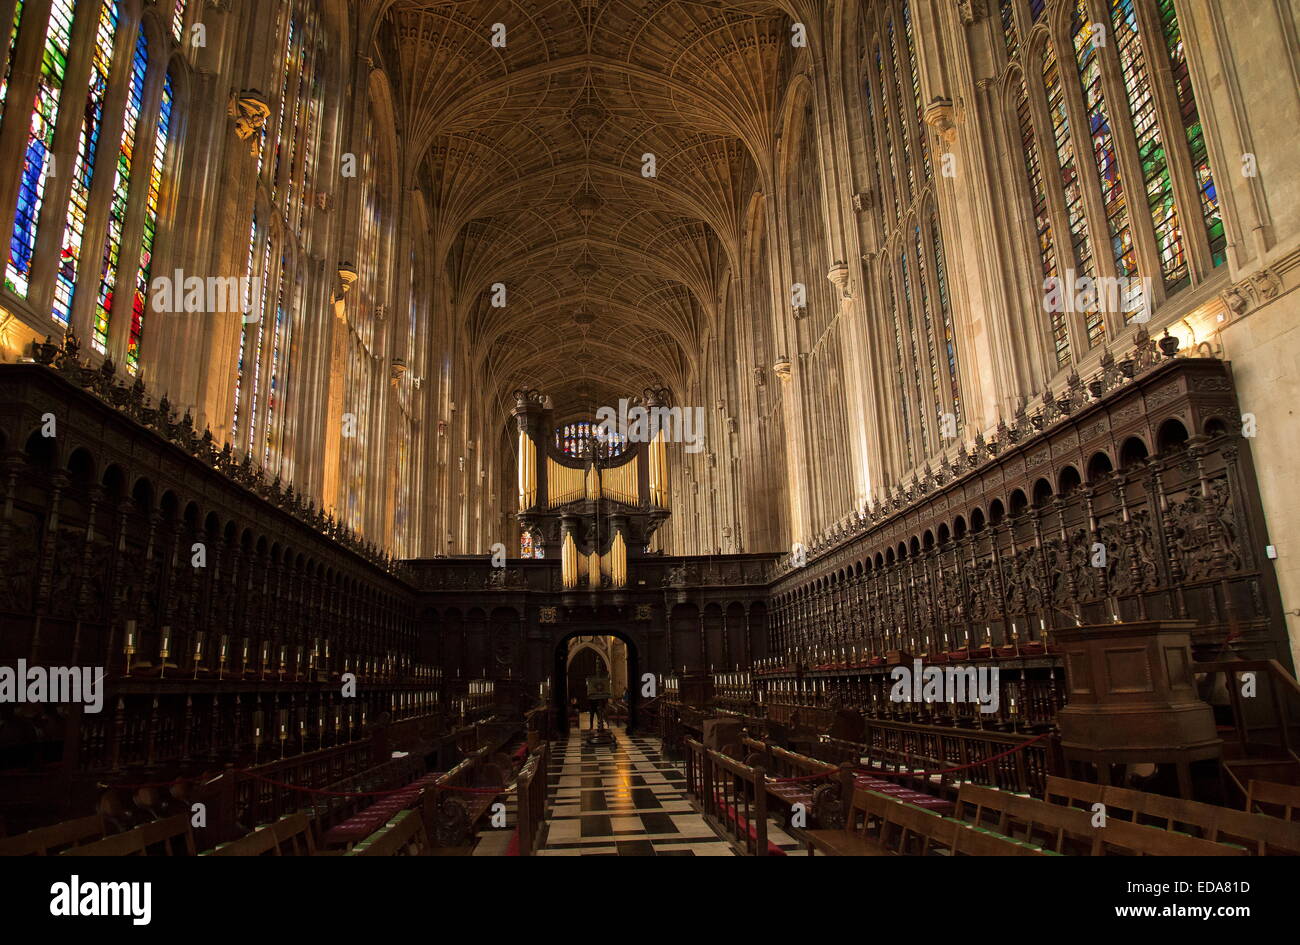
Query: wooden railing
[(531, 805), (734, 795), (1012, 762), (1265, 703)]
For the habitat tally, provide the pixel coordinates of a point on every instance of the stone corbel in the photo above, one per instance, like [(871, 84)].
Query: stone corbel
[(970, 11), (781, 368), (250, 111), (942, 116), (862, 201), (839, 275), (347, 276), (397, 370)]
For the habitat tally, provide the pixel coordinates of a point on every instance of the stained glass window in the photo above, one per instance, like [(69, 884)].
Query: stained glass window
[(917, 347), (121, 193), (1150, 146), (900, 126), (886, 129), (1080, 243), (922, 146), (83, 170), (1009, 38), (945, 312), (279, 333), (525, 544), (873, 129), (245, 357), (178, 21), (1195, 134), (40, 139), (10, 51), (162, 133), (288, 147), (1103, 147), (571, 439), (904, 409), (927, 318), (913, 281)]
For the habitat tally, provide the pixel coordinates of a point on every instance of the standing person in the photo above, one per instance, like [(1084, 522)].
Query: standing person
[(593, 707)]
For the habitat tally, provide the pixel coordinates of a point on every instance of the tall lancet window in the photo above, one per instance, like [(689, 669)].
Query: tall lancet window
[(178, 20), (35, 176), (1124, 70), (910, 272), (11, 49), (106, 300), (83, 170), (162, 133), (279, 238)]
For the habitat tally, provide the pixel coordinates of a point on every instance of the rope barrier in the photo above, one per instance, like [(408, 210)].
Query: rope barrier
[(245, 773), (974, 764), (806, 777)]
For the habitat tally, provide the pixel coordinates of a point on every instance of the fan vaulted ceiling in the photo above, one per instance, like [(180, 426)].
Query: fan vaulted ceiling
[(530, 158)]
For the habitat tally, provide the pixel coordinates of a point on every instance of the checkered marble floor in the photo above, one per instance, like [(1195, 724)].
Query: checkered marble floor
[(622, 800), (626, 800)]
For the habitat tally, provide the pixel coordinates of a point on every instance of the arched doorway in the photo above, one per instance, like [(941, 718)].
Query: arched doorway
[(560, 676)]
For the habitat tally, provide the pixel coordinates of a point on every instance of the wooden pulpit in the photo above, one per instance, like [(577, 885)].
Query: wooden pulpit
[(1133, 699)]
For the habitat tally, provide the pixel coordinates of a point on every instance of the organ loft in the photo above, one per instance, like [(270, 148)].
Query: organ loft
[(874, 419)]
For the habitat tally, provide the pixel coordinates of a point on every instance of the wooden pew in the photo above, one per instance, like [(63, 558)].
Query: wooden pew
[(403, 836), (1063, 830), (261, 842), (451, 815), (164, 833), (1284, 798), (46, 841), (912, 831), (879, 825), (825, 800), (733, 795), (972, 842), (531, 800), (1129, 839), (1261, 834), (1081, 794), (291, 835), (854, 838)]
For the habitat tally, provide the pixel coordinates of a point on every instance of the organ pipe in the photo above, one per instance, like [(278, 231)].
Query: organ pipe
[(527, 472), (563, 483), (569, 561), (659, 471)]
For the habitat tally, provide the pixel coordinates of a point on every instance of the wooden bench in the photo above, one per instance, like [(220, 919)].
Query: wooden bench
[(166, 833), (1124, 838), (733, 795), (880, 825), (1261, 834), (531, 801), (794, 780), (291, 835), (1284, 798), (853, 839), (1064, 830), (45, 841), (969, 841), (403, 836), (453, 805)]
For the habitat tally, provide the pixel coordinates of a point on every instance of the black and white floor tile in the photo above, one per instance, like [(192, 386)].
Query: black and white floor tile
[(626, 800)]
